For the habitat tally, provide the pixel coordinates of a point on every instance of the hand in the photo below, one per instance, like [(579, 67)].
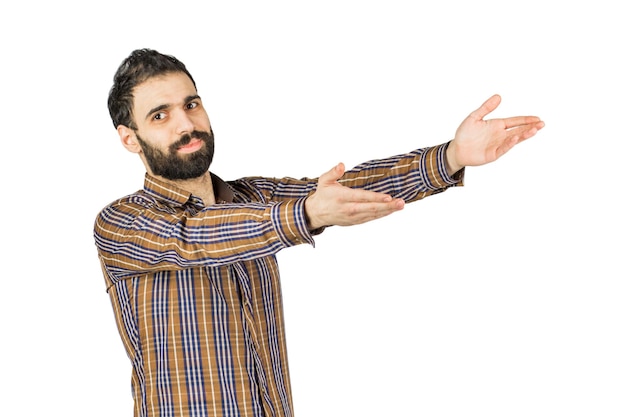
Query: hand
[(335, 204), (478, 141)]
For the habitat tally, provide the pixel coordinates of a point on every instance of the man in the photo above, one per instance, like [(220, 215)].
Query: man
[(189, 261)]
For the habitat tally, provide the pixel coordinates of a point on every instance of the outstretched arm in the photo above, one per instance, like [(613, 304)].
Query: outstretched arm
[(478, 141)]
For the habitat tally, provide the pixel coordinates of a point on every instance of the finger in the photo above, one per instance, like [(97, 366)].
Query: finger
[(532, 131), (525, 131), (364, 196), (364, 212), (516, 121), (516, 136), (333, 175), (487, 107)]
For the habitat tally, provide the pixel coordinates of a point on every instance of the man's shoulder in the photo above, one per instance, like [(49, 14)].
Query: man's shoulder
[(131, 203)]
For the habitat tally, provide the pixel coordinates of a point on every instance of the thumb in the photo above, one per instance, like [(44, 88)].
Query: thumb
[(487, 107), (333, 175)]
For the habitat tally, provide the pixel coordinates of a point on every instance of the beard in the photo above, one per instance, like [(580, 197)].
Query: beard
[(174, 166)]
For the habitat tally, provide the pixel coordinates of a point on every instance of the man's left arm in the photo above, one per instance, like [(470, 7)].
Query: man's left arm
[(476, 142)]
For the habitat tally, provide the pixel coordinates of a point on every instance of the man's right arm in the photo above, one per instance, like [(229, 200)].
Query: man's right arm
[(132, 239)]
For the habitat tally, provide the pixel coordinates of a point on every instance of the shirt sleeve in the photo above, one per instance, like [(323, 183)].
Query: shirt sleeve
[(411, 176), (132, 238)]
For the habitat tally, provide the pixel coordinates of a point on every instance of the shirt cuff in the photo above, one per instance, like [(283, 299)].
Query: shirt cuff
[(434, 172), (290, 223)]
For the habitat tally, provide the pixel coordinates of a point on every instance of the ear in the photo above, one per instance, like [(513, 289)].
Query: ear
[(129, 139)]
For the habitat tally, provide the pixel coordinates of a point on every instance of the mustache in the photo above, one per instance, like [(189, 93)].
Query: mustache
[(206, 137)]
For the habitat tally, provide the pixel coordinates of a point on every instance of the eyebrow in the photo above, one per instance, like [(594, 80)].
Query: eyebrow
[(167, 106)]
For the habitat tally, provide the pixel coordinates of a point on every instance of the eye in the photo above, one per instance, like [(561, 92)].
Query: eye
[(192, 105), (159, 116)]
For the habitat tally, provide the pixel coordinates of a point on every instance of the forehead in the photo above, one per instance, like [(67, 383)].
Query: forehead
[(167, 89)]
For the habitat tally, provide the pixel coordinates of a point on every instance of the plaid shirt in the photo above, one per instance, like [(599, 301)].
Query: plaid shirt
[(195, 289)]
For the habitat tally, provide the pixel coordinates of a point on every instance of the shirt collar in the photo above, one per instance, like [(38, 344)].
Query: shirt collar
[(177, 196)]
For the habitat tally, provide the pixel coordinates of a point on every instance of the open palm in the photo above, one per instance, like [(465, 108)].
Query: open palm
[(478, 141)]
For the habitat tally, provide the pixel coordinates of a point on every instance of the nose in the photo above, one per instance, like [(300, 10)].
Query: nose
[(184, 124)]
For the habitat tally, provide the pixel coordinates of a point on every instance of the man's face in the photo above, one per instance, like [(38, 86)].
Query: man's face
[(173, 129)]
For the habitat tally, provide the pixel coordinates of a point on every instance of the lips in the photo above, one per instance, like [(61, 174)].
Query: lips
[(192, 146)]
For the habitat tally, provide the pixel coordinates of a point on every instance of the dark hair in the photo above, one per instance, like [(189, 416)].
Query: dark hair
[(138, 67)]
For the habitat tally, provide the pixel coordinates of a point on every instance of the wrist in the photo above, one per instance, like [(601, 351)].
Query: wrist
[(452, 166), (311, 222)]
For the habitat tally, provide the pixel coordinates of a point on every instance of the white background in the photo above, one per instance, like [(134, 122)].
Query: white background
[(502, 298)]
